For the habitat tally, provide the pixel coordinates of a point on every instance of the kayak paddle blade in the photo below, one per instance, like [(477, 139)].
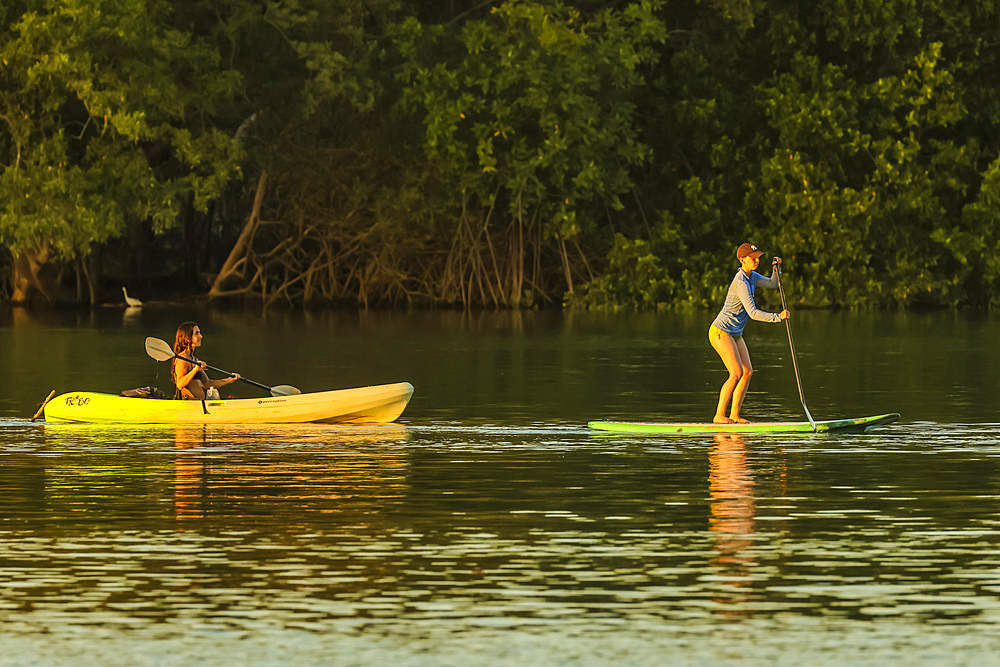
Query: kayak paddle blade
[(284, 390), (159, 349)]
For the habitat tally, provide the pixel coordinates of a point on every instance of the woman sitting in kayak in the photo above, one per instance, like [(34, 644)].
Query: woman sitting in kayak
[(726, 332), (191, 379)]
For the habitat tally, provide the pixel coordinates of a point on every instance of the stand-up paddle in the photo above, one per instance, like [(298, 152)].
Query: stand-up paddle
[(791, 345), (161, 351)]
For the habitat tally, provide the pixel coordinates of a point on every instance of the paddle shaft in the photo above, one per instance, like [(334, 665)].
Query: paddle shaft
[(41, 408), (791, 345), (219, 370)]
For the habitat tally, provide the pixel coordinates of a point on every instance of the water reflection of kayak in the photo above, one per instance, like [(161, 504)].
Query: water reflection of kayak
[(361, 405), (857, 424)]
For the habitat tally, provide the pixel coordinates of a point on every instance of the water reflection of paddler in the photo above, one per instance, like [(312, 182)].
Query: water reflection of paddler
[(189, 474), (190, 379), (732, 512)]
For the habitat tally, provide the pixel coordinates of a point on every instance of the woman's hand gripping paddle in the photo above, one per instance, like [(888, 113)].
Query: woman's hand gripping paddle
[(161, 351), (791, 344)]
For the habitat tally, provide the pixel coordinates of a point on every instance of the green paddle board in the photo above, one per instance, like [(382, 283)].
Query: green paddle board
[(856, 425)]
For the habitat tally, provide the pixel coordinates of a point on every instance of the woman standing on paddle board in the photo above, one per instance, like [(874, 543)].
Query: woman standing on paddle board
[(191, 379), (726, 332)]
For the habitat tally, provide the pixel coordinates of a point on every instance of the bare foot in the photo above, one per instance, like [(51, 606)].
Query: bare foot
[(738, 420), (721, 419)]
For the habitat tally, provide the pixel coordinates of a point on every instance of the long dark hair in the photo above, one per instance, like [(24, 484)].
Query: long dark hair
[(184, 334), (181, 343)]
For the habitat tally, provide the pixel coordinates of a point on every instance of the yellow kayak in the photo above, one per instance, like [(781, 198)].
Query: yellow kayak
[(362, 405)]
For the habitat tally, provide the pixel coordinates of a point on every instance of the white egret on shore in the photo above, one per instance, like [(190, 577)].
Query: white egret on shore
[(131, 301)]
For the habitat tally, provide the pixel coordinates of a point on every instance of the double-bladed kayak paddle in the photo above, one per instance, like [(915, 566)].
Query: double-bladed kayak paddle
[(161, 351)]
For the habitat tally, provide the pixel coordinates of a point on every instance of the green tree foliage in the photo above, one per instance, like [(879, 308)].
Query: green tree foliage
[(386, 193), (341, 201), (536, 107), (599, 153), (854, 138), (861, 176), (529, 114), (105, 118)]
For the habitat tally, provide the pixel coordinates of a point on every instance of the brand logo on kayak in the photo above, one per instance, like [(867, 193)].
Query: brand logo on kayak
[(270, 400), (77, 400)]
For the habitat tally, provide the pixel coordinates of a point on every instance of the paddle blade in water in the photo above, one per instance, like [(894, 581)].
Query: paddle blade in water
[(284, 390), (159, 349)]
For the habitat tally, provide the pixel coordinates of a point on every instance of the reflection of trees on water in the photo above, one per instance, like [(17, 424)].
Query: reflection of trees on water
[(190, 476), (731, 519)]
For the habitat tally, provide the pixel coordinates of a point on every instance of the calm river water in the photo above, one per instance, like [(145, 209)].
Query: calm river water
[(489, 525)]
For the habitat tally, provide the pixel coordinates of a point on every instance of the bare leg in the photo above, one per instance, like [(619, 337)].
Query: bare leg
[(741, 387), (194, 389), (730, 354)]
